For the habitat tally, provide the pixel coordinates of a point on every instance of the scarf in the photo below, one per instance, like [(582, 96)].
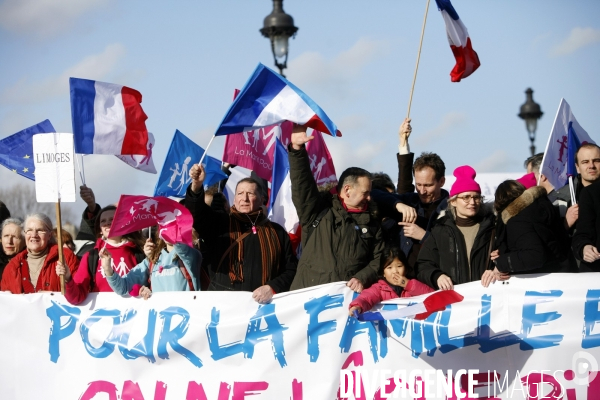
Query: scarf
[(270, 248), (467, 222)]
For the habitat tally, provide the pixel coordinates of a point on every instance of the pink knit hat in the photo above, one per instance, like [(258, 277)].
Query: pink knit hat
[(528, 180), (465, 181)]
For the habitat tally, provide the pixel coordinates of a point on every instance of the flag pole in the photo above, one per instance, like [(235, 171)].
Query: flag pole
[(572, 191), (206, 150), (418, 58), (81, 173), (60, 245)]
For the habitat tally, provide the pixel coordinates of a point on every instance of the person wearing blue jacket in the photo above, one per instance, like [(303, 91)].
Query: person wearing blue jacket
[(167, 268)]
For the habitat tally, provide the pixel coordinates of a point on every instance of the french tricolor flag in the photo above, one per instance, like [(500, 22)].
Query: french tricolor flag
[(269, 99), (281, 207), (467, 60), (435, 302), (107, 118)]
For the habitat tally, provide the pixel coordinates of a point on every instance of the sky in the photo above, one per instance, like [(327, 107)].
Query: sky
[(355, 59)]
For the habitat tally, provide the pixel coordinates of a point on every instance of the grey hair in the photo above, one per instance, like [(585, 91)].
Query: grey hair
[(44, 219), (13, 221)]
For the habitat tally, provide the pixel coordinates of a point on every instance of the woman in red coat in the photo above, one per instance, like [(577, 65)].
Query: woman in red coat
[(393, 285), (33, 269)]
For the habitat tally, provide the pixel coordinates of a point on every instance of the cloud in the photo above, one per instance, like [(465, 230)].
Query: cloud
[(498, 161), (95, 66), (451, 122), (313, 70), (578, 38), (345, 154), (44, 18)]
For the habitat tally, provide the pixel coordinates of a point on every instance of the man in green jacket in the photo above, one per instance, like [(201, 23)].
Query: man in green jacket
[(341, 236)]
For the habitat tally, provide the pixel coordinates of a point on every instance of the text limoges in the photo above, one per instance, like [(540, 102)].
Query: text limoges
[(41, 158)]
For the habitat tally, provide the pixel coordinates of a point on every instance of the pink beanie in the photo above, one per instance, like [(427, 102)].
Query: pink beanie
[(528, 180), (465, 181)]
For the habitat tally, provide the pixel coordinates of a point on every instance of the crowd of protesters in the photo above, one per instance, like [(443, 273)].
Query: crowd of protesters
[(388, 240)]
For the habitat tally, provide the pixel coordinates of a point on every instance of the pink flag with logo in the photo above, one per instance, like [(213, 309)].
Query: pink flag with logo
[(139, 212), (254, 149), (321, 163)]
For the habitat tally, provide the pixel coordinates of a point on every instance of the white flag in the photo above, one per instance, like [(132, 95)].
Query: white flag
[(554, 165)]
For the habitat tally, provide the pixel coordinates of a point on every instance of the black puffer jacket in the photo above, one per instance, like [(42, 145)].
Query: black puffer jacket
[(531, 236), (445, 251)]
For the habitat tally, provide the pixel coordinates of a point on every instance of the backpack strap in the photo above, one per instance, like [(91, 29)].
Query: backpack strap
[(93, 258), (315, 223), (185, 273)]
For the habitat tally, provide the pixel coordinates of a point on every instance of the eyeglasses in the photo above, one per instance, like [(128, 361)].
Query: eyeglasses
[(40, 232), (467, 198)]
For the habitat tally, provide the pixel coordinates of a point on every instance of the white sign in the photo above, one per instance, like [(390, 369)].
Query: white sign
[(531, 338), (53, 157)]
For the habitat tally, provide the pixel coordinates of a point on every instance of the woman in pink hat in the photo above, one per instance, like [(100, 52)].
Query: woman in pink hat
[(458, 249)]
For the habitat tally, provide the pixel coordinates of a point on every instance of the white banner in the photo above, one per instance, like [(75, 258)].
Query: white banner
[(53, 156), (537, 336)]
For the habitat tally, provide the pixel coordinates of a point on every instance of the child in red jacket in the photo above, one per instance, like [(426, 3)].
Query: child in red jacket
[(394, 284)]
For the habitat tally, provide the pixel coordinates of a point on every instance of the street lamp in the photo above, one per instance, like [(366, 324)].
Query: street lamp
[(279, 27), (531, 112)]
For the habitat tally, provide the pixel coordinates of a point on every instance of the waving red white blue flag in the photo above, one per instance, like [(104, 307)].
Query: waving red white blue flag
[(467, 60), (281, 207), (107, 118), (269, 99), (435, 302)]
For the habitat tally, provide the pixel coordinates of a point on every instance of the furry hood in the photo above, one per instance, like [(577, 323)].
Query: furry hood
[(521, 202)]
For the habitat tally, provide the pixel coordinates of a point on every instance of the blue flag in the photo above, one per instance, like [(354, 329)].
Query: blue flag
[(573, 145), (16, 151), (175, 175)]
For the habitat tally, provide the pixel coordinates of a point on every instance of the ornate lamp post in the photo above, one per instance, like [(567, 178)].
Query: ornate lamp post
[(531, 112), (279, 27)]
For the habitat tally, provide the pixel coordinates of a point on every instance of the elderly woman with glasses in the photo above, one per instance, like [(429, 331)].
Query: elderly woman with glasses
[(458, 249), (33, 269), (531, 235)]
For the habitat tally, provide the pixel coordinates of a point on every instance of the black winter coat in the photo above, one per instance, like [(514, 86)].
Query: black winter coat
[(445, 251), (531, 236), (588, 226), (213, 228)]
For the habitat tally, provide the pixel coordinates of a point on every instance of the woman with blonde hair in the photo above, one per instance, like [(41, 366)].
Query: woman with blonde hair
[(458, 249)]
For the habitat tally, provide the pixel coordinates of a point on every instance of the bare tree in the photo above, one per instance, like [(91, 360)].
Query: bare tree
[(20, 201)]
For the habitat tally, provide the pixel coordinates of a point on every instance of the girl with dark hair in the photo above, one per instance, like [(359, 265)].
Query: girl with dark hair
[(126, 252), (393, 283), (531, 237)]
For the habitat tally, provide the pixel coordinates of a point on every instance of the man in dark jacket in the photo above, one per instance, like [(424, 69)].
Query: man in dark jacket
[(341, 236), (586, 240), (247, 251), (429, 200)]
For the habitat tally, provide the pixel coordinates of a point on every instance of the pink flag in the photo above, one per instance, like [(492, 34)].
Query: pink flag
[(139, 212), (254, 149), (321, 163)]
